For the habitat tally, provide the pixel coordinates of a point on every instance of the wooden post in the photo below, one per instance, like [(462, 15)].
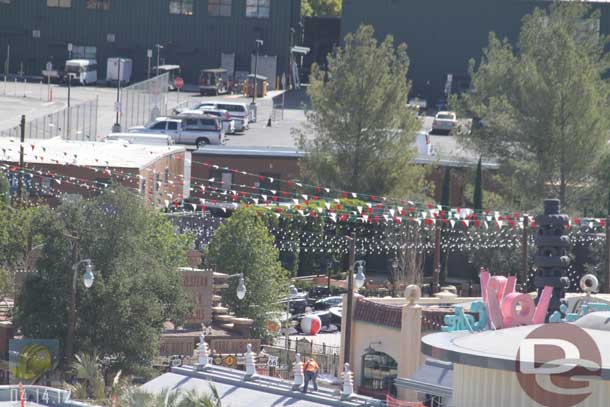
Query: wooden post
[(524, 252), (436, 273), (350, 298)]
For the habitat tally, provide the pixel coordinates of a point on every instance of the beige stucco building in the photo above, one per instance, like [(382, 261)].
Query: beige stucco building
[(385, 341)]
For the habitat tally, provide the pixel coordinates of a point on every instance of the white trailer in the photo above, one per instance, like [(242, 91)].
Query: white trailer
[(114, 74)]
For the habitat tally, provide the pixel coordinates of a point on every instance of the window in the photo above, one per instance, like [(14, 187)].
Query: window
[(258, 8), (184, 7), (84, 52), (98, 4), (378, 373), (172, 126), (159, 126), (220, 8), (59, 3)]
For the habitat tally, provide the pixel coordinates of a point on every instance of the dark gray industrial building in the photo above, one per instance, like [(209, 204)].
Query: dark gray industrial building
[(442, 35), (193, 33)]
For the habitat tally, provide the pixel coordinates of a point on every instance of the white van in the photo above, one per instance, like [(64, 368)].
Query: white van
[(82, 70), (238, 111), (141, 138)]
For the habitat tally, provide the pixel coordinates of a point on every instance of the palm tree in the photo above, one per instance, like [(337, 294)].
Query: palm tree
[(136, 397), (193, 398), (88, 372)]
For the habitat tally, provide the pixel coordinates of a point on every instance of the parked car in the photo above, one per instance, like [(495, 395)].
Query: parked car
[(444, 122), (418, 104), (198, 130), (327, 303), (238, 111), (227, 122)]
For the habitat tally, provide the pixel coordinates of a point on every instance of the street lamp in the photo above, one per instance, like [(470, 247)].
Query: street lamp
[(88, 278), (360, 278), (241, 286)]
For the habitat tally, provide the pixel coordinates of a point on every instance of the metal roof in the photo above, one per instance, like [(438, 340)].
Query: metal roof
[(434, 377), (85, 153), (236, 391)]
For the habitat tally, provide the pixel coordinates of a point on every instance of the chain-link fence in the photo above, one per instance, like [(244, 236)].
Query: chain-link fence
[(144, 101), (79, 122)]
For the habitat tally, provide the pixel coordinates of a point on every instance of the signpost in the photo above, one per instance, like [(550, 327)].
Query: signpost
[(179, 82), (149, 54), (49, 69)]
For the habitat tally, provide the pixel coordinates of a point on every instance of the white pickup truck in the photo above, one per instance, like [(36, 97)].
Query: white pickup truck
[(195, 130), (444, 122)]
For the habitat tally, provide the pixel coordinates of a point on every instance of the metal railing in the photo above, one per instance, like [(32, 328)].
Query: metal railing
[(79, 122), (144, 101)]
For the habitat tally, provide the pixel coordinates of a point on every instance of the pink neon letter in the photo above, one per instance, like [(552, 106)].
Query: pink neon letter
[(514, 317), (543, 305)]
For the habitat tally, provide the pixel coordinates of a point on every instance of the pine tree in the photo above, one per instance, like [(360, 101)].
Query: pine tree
[(477, 198), (359, 133)]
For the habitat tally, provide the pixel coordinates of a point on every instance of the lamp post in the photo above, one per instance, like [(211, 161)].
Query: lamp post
[(259, 43), (359, 281), (88, 279), (395, 275), (292, 291)]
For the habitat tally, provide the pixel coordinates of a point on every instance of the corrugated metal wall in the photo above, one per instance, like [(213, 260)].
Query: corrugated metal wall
[(479, 387), (442, 36), (195, 42)]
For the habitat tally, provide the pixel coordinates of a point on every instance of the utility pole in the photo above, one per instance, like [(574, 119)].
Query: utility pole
[(21, 160), (524, 244), (149, 54), (259, 43), (436, 273), (350, 298)]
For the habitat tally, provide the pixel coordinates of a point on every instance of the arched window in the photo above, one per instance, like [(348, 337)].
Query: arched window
[(378, 373)]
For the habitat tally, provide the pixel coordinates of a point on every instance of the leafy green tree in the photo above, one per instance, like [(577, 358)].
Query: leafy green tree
[(544, 107), (136, 397), (477, 197), (359, 134), (5, 197), (243, 244), (321, 7), (137, 287)]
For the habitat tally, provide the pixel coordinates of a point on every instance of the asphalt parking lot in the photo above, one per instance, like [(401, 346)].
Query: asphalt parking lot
[(31, 99)]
